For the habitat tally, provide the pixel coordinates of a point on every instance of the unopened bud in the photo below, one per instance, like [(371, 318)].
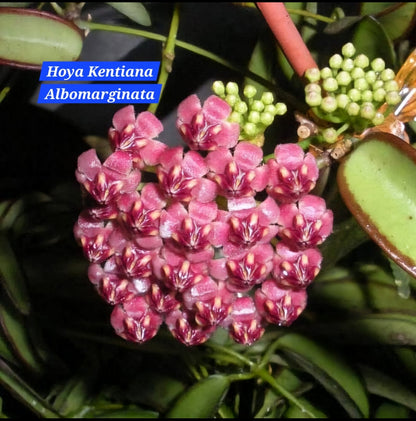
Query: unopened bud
[(335, 61), (348, 50), (313, 75), (231, 88), (378, 65), (249, 91), (218, 88)]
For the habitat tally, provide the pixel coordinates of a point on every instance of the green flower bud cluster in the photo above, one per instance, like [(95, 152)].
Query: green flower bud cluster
[(351, 89), (253, 112)]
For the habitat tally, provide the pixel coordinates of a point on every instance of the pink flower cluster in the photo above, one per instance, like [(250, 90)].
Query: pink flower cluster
[(200, 237)]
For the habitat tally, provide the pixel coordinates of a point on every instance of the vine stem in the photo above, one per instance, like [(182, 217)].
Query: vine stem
[(91, 26), (258, 371), (168, 56), (288, 37)]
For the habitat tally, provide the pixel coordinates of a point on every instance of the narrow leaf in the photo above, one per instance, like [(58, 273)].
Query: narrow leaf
[(134, 11), (387, 387), (11, 277), (330, 370)]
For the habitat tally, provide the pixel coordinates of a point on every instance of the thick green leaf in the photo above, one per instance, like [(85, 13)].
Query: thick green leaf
[(370, 38), (396, 18), (28, 37), (130, 412), (11, 277), (134, 11), (202, 399), (330, 370), (377, 184), (379, 384), (342, 24)]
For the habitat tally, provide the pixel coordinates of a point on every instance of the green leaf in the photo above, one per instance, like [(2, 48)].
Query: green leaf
[(330, 370), (134, 11), (376, 182), (28, 37), (396, 18), (387, 387), (130, 412), (24, 393), (202, 399), (370, 38), (16, 330), (386, 328), (11, 277), (392, 411), (401, 279), (295, 412), (261, 61), (346, 236), (341, 24)]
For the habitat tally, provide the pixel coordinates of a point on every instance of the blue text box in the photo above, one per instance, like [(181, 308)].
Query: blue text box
[(120, 71), (107, 93)]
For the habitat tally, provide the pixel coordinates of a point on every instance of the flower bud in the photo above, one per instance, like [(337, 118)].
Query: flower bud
[(393, 98), (354, 94), (329, 104), (362, 61), (231, 99), (329, 135), (357, 73), (370, 76), (343, 78), (387, 74), (231, 88), (257, 105), (361, 84), (267, 98), (281, 108), (367, 111), (353, 109), (250, 129), (378, 119), (254, 117), (348, 65), (218, 88), (367, 96), (313, 99), (249, 91), (313, 75), (241, 107), (330, 84), (391, 85), (266, 118), (379, 95), (326, 72), (342, 100), (378, 64), (348, 50), (335, 61)]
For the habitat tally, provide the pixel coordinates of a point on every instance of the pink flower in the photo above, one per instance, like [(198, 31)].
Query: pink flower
[(113, 288), (188, 231), (305, 224), (295, 269), (184, 328), (136, 136), (106, 182), (206, 127), (135, 321), (181, 176), (94, 237), (239, 174), (293, 173), (280, 306), (244, 322)]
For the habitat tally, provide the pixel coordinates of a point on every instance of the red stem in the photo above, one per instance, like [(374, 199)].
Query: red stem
[(288, 37)]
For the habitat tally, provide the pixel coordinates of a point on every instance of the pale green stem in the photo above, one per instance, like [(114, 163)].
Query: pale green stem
[(168, 56), (258, 371), (182, 44), (308, 14)]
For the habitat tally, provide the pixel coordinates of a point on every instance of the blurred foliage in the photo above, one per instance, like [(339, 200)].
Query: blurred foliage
[(352, 352)]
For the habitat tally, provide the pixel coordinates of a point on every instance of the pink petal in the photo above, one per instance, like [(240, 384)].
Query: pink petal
[(268, 211), (151, 197), (219, 233), (88, 164), (171, 156), (188, 108), (123, 117), (261, 180), (151, 152), (228, 136), (216, 108), (241, 203), (218, 159), (194, 165), (247, 155), (119, 162), (289, 154), (202, 213), (205, 191), (148, 125), (218, 269)]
